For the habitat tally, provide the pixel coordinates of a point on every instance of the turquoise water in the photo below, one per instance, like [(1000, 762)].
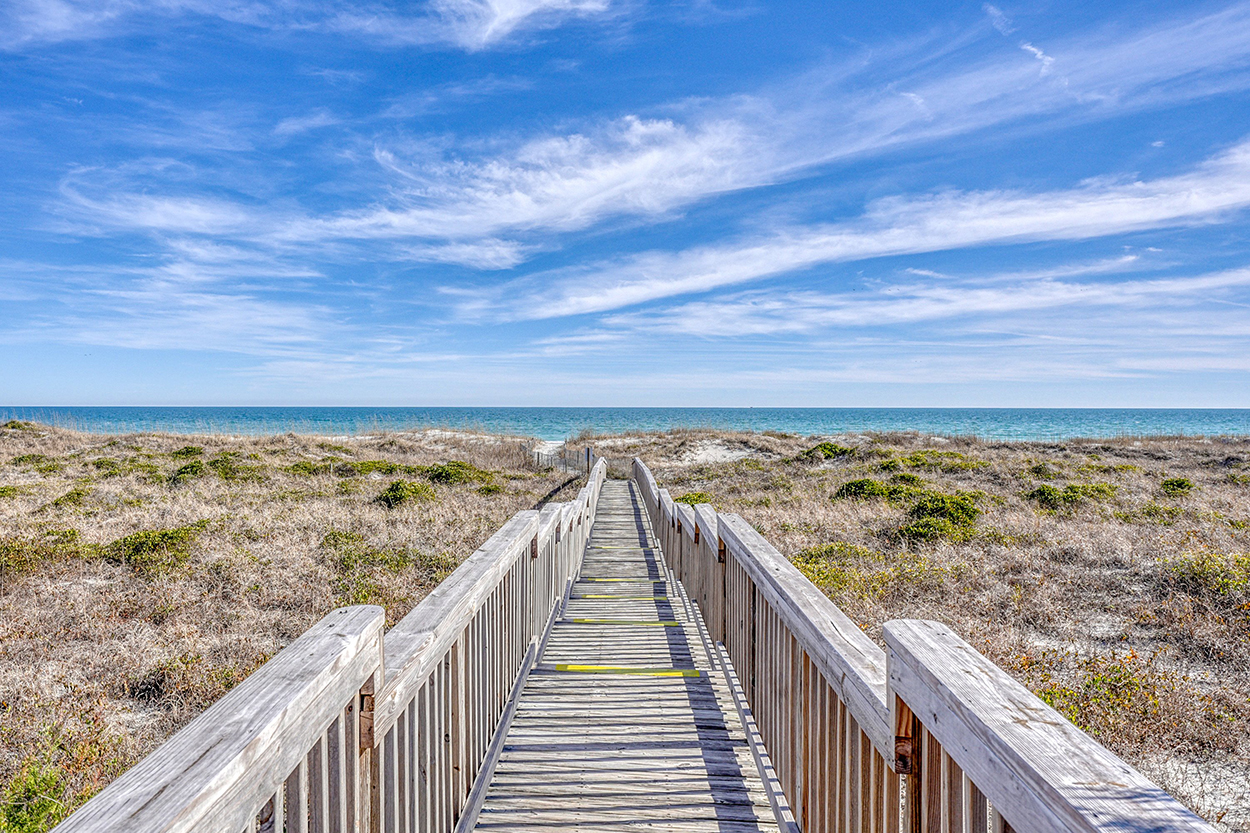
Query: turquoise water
[(560, 423)]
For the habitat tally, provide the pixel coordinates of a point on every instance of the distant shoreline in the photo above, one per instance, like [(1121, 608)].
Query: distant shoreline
[(555, 424), (559, 424)]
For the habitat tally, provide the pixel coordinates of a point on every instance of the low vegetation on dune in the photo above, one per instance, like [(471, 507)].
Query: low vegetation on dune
[(1110, 577), (141, 577)]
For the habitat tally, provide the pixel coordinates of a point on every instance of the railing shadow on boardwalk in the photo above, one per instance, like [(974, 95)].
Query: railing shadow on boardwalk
[(352, 729)]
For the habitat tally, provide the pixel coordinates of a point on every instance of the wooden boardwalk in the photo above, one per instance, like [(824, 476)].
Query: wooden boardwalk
[(629, 720)]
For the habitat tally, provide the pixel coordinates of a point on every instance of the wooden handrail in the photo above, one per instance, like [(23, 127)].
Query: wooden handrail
[(933, 737), (1044, 773), (843, 653), (255, 742), (347, 729)]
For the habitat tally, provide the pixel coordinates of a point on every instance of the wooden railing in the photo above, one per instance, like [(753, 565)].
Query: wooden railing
[(349, 730), (930, 736)]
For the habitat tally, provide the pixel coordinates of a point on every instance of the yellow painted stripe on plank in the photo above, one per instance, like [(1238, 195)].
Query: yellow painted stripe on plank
[(623, 598), (642, 672), (651, 623)]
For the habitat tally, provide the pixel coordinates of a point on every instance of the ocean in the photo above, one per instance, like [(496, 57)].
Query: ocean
[(561, 423)]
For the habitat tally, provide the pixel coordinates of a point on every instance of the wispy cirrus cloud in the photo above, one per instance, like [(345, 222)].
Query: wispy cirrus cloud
[(467, 24), (520, 194), (976, 301), (890, 226), (302, 124)]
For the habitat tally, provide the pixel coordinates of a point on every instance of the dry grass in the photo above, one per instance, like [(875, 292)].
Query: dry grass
[(132, 596), (1123, 602), (1090, 570)]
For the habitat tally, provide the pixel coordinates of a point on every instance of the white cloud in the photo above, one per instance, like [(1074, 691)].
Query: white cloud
[(560, 183), (892, 226), (998, 20), (637, 166), (467, 24), (302, 124), (476, 24), (1047, 61), (774, 313)]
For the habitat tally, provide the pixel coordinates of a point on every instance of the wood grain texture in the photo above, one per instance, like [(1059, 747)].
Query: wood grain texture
[(1040, 771), (219, 770), (848, 659), (627, 719)]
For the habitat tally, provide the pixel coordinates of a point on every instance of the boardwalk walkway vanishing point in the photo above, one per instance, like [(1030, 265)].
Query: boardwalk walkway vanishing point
[(628, 721), (621, 662)]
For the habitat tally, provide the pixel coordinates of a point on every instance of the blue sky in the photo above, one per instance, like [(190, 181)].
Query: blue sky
[(622, 202)]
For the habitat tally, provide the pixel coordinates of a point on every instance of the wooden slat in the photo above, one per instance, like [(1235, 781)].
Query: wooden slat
[(591, 749), (218, 771), (1039, 771), (837, 646)]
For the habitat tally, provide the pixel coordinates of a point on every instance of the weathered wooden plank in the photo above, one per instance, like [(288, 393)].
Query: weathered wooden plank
[(849, 661), (218, 771), (1041, 772)]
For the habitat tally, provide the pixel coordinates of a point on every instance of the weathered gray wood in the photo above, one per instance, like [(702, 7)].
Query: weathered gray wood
[(596, 738), (218, 771), (1040, 771), (847, 658), (420, 639)]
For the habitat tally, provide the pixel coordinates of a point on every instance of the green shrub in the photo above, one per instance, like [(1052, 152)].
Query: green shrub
[(932, 529), (9, 491), (108, 467), (489, 489), (842, 569), (29, 802), (1054, 499), (189, 471), (931, 458), (154, 551), (187, 452), (1176, 486), (1103, 695), (379, 466), (20, 554), (74, 497), (693, 498), (827, 451), (359, 566), (958, 509), (18, 425), (40, 463), (907, 479), (861, 490), (1043, 472), (402, 491), (457, 471), (1153, 512), (936, 515), (229, 469), (1107, 468), (336, 449), (307, 468), (1211, 575)]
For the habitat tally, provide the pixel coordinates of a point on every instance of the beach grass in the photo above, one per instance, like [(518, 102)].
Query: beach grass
[(142, 576)]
